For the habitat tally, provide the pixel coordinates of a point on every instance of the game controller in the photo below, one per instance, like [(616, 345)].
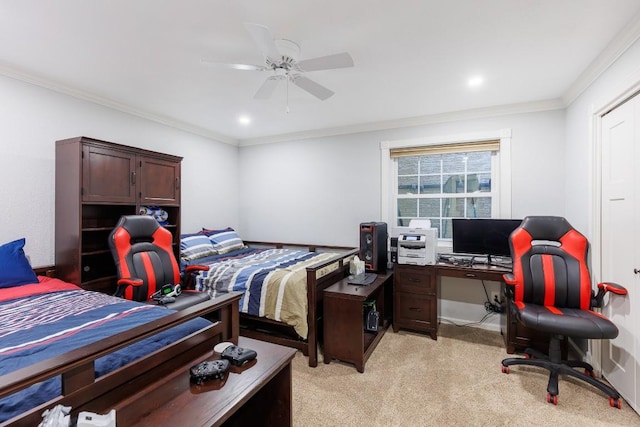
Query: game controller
[(234, 354), (165, 300), (209, 370)]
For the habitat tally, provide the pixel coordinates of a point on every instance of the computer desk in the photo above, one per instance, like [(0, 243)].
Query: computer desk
[(416, 293)]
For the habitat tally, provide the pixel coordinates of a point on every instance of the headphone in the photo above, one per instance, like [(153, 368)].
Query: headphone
[(167, 291)]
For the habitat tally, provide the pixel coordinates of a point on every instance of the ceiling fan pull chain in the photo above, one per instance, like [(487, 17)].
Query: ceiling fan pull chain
[(287, 110)]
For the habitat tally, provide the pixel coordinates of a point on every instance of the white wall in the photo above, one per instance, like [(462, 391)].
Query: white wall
[(33, 118), (320, 190), (623, 74)]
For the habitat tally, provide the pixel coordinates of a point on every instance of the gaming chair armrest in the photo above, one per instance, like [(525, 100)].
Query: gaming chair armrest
[(509, 279), (605, 287), (124, 282), (194, 268), (190, 271)]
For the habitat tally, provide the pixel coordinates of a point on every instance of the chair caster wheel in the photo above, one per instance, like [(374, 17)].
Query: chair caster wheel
[(552, 398), (615, 403), (589, 373), (505, 369)]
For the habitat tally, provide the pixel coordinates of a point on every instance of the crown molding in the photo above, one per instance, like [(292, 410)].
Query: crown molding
[(105, 102), (620, 43), (625, 38), (527, 107)]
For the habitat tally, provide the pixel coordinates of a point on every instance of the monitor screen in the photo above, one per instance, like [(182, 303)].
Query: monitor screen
[(483, 236)]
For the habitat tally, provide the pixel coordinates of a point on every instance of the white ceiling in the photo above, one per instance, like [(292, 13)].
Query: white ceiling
[(412, 58)]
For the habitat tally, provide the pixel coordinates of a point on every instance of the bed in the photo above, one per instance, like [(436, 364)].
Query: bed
[(60, 343), (281, 284)]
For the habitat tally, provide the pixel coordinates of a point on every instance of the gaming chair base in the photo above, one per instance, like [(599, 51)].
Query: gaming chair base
[(556, 366)]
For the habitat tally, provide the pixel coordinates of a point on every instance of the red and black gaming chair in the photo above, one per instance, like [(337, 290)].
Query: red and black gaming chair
[(550, 290), (142, 251)]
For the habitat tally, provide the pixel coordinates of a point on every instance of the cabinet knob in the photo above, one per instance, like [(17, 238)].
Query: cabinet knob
[(415, 309), (133, 178), (469, 275)]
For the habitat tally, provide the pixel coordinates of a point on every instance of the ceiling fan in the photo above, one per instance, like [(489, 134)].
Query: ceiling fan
[(281, 58)]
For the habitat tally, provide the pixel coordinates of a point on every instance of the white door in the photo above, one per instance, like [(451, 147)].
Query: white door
[(620, 241)]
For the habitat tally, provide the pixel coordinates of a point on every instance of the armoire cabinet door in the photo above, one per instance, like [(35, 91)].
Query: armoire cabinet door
[(159, 182), (108, 175)]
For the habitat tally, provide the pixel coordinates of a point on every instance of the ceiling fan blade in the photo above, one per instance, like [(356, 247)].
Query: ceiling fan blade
[(247, 67), (267, 87), (338, 60), (264, 40), (312, 87)]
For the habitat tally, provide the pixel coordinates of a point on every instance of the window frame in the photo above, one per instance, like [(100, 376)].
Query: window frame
[(501, 162)]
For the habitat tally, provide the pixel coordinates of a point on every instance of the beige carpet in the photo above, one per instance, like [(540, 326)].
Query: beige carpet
[(411, 380)]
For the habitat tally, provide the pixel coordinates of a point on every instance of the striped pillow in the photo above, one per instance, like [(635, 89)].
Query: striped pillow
[(224, 241), (194, 246)]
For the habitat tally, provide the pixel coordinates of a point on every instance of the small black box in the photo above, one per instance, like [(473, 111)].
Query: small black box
[(371, 316)]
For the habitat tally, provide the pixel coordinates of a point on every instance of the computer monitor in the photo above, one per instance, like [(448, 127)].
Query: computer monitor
[(483, 236)]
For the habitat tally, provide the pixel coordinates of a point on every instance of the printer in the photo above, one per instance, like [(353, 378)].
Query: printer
[(418, 245)]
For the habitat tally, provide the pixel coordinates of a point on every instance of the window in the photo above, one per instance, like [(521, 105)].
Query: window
[(441, 179)]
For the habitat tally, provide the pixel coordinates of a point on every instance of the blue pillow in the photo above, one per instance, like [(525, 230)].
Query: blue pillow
[(194, 246), (224, 241), (15, 269)]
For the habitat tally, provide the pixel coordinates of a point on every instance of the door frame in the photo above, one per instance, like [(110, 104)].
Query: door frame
[(595, 217)]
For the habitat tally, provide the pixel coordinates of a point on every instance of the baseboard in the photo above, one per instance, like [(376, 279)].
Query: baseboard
[(491, 323)]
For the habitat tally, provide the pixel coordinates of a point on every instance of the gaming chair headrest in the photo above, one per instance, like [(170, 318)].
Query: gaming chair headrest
[(550, 228), (139, 227)]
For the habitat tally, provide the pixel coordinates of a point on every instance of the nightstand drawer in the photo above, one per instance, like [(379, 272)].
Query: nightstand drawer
[(417, 279), (415, 311)]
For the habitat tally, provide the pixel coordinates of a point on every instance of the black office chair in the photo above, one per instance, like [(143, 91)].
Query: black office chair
[(147, 268), (550, 290)]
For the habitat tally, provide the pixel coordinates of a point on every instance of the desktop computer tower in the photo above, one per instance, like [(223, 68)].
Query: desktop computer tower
[(373, 245), (393, 250)]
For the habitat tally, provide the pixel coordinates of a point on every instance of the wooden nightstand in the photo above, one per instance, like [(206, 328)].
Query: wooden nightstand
[(345, 337)]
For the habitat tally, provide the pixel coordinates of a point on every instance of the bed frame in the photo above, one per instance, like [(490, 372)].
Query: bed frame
[(83, 392), (278, 332)]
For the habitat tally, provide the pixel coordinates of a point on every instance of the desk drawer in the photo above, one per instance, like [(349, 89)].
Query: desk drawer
[(416, 279), (415, 311), (475, 273)]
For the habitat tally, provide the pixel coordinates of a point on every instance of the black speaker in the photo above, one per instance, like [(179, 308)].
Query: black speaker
[(373, 245)]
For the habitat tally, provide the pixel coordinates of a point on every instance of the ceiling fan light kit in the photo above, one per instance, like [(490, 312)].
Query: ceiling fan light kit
[(289, 52), (281, 58)]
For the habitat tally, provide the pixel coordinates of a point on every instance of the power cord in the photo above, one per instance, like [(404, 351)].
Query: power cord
[(485, 317), (494, 306)]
